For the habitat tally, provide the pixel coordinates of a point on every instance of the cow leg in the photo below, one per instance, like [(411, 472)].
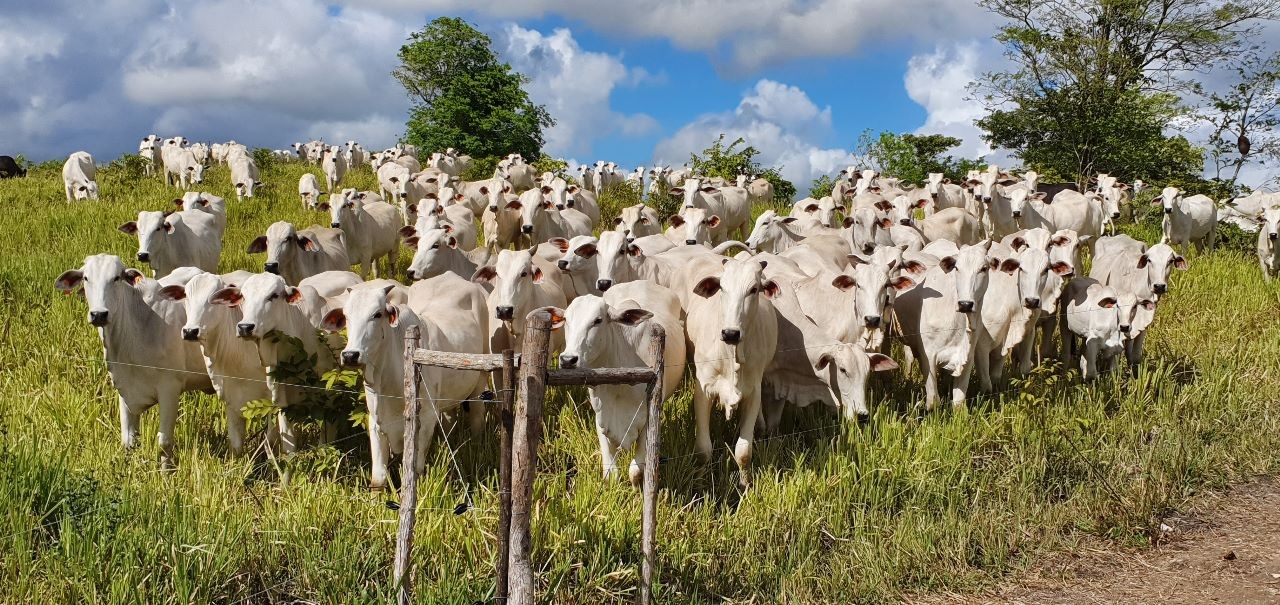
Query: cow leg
[(996, 367), (608, 454), (930, 374), (129, 421), (288, 440), (168, 403), (747, 412), (702, 420), (379, 448), (430, 418), (960, 387), (1089, 360), (1025, 349), (1047, 328), (1134, 351), (636, 470), (982, 359), (235, 425)]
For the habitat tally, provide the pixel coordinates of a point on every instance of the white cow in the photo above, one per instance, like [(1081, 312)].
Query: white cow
[(734, 333), (445, 211), (149, 151), (309, 191), (1268, 244), (692, 227), (437, 251), (370, 229), (183, 169), (244, 175), (205, 202), (638, 221), (1191, 220), (516, 171), (1091, 312), (729, 203), (147, 360), (391, 180), (188, 238), (1010, 307), (232, 363), (334, 165), (449, 312), (78, 174), (299, 254), (1139, 275), (541, 221), (951, 224), (522, 281), (613, 331), (823, 211)]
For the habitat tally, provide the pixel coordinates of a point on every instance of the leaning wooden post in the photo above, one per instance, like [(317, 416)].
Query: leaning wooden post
[(526, 434), (652, 437), (506, 395), (408, 472)]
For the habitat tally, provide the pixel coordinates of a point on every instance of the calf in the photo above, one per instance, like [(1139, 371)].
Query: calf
[(613, 331), (1187, 220), (207, 203), (1091, 312), (370, 230), (232, 363), (309, 191), (166, 241), (148, 150), (148, 362), (520, 285), (1268, 244), (734, 333), (1010, 307), (823, 211), (391, 180), (1139, 276), (297, 255), (244, 175), (78, 174), (183, 169), (449, 313)]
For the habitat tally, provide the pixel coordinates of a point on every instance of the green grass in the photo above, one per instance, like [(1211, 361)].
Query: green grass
[(837, 513)]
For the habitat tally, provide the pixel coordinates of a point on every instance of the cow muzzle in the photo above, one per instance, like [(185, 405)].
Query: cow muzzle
[(691, 242), (1031, 303), (504, 313), (1160, 288), (563, 265), (98, 318), (1125, 329), (604, 284), (191, 334), (1017, 214), (271, 268), (1168, 210), (245, 330), (1273, 235), (526, 229), (1115, 215), (905, 221), (144, 257), (351, 358), (731, 336), (568, 361), (965, 306), (871, 321), (336, 225)]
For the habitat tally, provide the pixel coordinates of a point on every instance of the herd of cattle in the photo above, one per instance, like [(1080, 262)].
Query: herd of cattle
[(965, 275)]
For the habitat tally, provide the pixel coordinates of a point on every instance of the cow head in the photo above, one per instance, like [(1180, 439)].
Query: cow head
[(263, 301), (593, 329), (741, 286), (102, 280), (374, 325)]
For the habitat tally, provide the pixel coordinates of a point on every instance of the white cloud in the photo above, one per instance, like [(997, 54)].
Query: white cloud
[(575, 85), (740, 35), (938, 82), (781, 121)]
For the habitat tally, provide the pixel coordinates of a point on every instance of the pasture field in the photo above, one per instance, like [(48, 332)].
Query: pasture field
[(838, 513)]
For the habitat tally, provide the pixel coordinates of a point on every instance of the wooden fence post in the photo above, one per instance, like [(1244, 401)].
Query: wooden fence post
[(506, 397), (525, 436), (652, 437), (408, 473)]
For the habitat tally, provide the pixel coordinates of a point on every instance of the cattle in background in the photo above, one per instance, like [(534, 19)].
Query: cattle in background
[(78, 174)]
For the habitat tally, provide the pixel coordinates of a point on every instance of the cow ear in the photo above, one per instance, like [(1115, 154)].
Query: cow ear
[(885, 223), (177, 201), (1107, 303), (292, 295), (881, 363), (393, 315), (258, 245), (537, 275), (811, 208), (1180, 263), (770, 289), (920, 203), (883, 206), (453, 242), (586, 250), (630, 317), (1142, 261), (675, 220), (484, 275), (514, 205), (713, 221), (844, 282), (902, 283), (707, 287), (676, 191), (168, 227), (1018, 244), (947, 263), (635, 252), (848, 222), (229, 296), (131, 276), (68, 281), (788, 220), (334, 321), (559, 242), (324, 206), (617, 221), (174, 292), (1039, 196), (407, 231), (1010, 265), (484, 190), (1148, 305), (307, 244), (129, 228), (855, 260), (823, 361), (411, 241)]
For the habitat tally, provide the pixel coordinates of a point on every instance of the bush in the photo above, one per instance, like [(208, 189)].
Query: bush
[(264, 158)]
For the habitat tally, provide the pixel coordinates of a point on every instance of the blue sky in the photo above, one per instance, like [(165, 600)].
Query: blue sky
[(634, 82)]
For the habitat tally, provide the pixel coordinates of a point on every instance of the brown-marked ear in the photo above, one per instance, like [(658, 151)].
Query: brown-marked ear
[(885, 223), (634, 251), (546, 190), (129, 228), (848, 222), (811, 208), (1018, 244), (177, 201), (884, 206), (131, 276), (559, 242), (675, 220), (713, 221), (855, 260), (825, 360), (1180, 263), (1062, 268), (393, 315), (537, 275), (1107, 303), (485, 274), (68, 281), (1148, 305), (948, 263), (174, 292), (307, 244), (452, 242), (258, 245), (881, 363), (229, 296), (1142, 261), (408, 231), (334, 321), (586, 250), (707, 287), (844, 282), (902, 283), (1010, 265), (324, 206), (631, 317), (676, 191), (292, 295), (514, 205), (484, 190), (770, 289), (411, 241)]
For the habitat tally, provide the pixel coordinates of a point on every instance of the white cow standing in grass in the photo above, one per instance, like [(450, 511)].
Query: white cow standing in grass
[(78, 174), (1269, 242), (1187, 220)]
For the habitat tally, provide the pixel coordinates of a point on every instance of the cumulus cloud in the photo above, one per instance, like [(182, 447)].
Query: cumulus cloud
[(779, 120), (740, 35), (576, 87), (938, 82)]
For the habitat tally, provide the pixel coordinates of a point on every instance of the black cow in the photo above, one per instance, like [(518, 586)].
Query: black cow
[(9, 168), (1051, 189)]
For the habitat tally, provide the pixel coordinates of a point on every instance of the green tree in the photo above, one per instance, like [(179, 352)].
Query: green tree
[(728, 161), (1244, 118), (1089, 91), (464, 97), (822, 186), (912, 157)]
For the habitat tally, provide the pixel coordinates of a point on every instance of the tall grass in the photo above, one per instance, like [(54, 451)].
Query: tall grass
[(838, 513)]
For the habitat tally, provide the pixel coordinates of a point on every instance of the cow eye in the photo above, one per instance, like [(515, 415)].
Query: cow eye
[(753, 290), (524, 274), (597, 322), (273, 296), (377, 315), (435, 246)]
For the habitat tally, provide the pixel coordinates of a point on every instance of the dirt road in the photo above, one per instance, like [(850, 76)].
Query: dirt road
[(1225, 551)]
